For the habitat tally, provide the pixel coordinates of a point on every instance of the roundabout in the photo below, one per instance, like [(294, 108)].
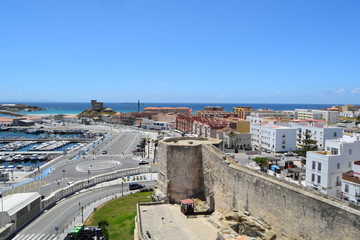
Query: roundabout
[(98, 165)]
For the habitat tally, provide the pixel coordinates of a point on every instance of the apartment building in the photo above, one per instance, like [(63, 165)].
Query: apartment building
[(273, 137), (318, 130), (330, 116), (324, 169), (207, 127), (243, 112)]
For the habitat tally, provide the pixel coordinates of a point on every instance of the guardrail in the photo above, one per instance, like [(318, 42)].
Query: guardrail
[(79, 185)]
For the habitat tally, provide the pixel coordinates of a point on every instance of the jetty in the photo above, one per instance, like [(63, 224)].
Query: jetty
[(12, 139), (15, 114)]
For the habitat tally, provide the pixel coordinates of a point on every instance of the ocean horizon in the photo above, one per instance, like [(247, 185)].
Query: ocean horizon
[(74, 108)]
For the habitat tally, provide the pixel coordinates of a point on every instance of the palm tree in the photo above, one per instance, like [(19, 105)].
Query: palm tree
[(232, 135), (155, 142)]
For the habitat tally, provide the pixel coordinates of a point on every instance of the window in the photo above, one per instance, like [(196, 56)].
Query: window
[(349, 164), (313, 165), (350, 151), (338, 166), (319, 179), (283, 146), (313, 177), (346, 188), (334, 151), (319, 166), (335, 134)]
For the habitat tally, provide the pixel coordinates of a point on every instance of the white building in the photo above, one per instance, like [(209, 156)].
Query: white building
[(317, 130), (329, 116), (272, 137), (156, 125), (349, 114), (17, 210), (350, 188), (324, 168), (241, 141)]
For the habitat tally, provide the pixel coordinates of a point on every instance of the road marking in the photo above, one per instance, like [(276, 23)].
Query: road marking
[(34, 236)]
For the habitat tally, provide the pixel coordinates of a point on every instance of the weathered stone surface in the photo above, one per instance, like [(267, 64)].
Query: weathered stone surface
[(293, 212)]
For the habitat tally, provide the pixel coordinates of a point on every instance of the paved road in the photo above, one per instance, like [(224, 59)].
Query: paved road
[(119, 147), (60, 215)]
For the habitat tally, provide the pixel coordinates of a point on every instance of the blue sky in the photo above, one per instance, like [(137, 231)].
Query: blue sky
[(289, 51)]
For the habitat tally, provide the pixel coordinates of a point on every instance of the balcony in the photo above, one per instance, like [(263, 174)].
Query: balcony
[(349, 176)]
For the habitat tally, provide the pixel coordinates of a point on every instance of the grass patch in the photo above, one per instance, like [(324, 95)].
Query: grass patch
[(120, 214)]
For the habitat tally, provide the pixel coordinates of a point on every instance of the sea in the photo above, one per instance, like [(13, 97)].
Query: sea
[(74, 108)]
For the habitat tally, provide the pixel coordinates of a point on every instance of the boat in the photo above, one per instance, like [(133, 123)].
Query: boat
[(33, 157)]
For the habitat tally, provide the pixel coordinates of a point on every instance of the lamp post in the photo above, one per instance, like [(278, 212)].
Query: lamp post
[(148, 142), (82, 214)]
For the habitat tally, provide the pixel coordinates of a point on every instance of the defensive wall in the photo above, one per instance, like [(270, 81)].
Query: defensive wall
[(199, 169)]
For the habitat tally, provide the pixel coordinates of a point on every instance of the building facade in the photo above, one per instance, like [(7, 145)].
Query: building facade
[(273, 138), (324, 169)]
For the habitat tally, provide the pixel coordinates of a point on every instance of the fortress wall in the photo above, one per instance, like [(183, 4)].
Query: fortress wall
[(181, 176), (293, 212)]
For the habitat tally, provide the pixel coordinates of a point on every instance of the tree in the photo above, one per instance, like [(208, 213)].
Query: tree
[(142, 145), (307, 144), (156, 142), (262, 162), (231, 136)]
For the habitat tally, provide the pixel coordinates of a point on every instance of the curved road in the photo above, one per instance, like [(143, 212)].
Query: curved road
[(66, 210)]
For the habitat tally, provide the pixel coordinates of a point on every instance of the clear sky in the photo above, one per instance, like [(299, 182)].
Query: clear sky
[(278, 51)]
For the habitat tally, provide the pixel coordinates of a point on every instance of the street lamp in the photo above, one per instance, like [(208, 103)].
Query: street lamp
[(63, 173), (82, 214)]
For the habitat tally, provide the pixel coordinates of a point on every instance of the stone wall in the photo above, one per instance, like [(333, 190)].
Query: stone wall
[(182, 177), (292, 211)]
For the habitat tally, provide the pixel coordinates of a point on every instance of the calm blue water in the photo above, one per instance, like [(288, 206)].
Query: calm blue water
[(74, 108)]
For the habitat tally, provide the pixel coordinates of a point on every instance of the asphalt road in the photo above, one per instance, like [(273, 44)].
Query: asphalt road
[(60, 215), (119, 147)]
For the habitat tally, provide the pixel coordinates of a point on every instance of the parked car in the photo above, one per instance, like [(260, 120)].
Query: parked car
[(134, 186), (289, 154), (143, 162)]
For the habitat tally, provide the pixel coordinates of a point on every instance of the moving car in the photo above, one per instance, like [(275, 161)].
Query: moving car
[(104, 152), (143, 162)]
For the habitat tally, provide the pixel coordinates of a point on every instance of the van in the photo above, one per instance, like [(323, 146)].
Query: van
[(134, 186)]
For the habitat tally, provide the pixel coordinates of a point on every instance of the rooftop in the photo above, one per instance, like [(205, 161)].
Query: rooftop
[(165, 221), (13, 203), (190, 141)]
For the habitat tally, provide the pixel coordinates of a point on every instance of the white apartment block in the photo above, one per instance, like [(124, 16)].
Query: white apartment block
[(324, 169), (350, 188), (328, 116), (317, 131), (262, 116), (272, 137)]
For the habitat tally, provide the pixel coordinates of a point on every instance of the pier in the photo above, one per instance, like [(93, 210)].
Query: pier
[(6, 139), (12, 113)]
